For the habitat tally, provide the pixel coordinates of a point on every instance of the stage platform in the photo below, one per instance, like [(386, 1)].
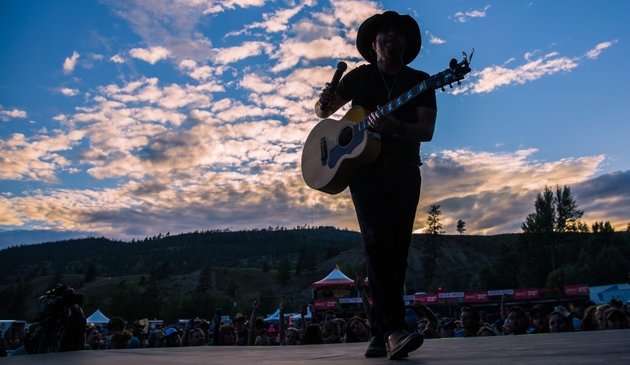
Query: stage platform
[(600, 347)]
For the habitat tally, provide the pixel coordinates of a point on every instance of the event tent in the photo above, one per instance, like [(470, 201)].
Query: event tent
[(275, 317), (335, 278), (97, 318)]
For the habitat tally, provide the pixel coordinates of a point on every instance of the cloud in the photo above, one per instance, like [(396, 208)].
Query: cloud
[(70, 63), (598, 49), (151, 55), (277, 21), (494, 77), (248, 49), (292, 51), (36, 158), (6, 114), (117, 59), (463, 17), (537, 65), (68, 91), (605, 198), (435, 40), (174, 24), (494, 192)]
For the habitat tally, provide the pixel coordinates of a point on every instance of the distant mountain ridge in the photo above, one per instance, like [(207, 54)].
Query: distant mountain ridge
[(28, 237)]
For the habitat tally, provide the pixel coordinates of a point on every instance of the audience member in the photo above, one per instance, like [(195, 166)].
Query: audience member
[(197, 337), (470, 322), (599, 315), (539, 322), (357, 330), (312, 335), (227, 335), (292, 337), (515, 322), (446, 327), (93, 340), (331, 333), (559, 322), (156, 339), (589, 322), (172, 337), (615, 319)]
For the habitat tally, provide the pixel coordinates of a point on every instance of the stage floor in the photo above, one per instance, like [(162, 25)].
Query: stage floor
[(600, 347)]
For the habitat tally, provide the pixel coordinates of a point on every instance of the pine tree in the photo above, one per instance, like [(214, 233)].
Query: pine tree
[(461, 226), (557, 213), (567, 213), (434, 226)]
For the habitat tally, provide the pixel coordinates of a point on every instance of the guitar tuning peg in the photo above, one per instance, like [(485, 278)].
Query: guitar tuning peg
[(450, 85), (443, 88), (459, 82)]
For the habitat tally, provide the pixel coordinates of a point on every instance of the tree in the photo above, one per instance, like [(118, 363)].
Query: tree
[(542, 221), (461, 226), (434, 226), (567, 213), (602, 227), (557, 213)]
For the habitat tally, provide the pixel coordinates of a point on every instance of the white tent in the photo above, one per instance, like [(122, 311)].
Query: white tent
[(335, 278), (97, 318), (275, 317)]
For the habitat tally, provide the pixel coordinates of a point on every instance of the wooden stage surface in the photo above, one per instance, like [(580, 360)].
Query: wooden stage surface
[(599, 347)]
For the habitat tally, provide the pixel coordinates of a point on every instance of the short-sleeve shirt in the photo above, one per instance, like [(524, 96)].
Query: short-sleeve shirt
[(367, 87)]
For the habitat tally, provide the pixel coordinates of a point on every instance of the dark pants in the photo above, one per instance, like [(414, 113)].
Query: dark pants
[(385, 200)]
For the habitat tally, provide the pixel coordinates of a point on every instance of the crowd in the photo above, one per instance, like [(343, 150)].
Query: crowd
[(327, 327)]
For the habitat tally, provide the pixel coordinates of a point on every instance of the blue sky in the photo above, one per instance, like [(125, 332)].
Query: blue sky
[(133, 118)]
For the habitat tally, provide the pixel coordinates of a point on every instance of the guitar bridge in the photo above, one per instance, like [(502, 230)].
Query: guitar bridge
[(323, 146)]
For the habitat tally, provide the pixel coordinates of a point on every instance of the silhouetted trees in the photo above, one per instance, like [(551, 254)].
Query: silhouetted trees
[(557, 213)]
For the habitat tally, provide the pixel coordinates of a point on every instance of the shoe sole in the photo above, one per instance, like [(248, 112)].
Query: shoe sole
[(411, 343), (372, 354)]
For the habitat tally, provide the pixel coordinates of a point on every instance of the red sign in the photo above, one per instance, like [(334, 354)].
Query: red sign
[(576, 290), (427, 298), (475, 297), (324, 304), (527, 293)]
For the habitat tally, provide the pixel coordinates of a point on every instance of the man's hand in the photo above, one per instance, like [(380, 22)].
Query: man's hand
[(326, 98), (385, 124)]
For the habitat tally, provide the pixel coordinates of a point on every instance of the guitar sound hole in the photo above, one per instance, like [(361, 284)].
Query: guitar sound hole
[(345, 137)]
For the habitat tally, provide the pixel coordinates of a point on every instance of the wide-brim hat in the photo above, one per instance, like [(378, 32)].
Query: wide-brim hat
[(370, 27)]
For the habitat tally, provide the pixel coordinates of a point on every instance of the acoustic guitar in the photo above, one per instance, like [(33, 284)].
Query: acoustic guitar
[(334, 149)]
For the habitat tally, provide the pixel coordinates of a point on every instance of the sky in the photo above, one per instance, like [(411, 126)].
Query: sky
[(132, 118)]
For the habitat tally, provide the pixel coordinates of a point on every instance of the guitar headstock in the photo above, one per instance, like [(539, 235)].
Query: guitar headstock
[(453, 74)]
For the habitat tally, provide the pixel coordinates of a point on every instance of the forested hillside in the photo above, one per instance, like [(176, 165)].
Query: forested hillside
[(178, 276)]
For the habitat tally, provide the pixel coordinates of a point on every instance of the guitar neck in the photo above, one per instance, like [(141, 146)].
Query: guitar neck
[(391, 106), (454, 73)]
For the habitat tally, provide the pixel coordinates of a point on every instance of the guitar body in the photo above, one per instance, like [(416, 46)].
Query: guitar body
[(333, 151)]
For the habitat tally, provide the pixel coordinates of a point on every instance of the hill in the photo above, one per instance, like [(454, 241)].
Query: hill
[(191, 274)]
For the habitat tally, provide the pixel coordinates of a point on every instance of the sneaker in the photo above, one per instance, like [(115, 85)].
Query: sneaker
[(400, 343), (376, 348)]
